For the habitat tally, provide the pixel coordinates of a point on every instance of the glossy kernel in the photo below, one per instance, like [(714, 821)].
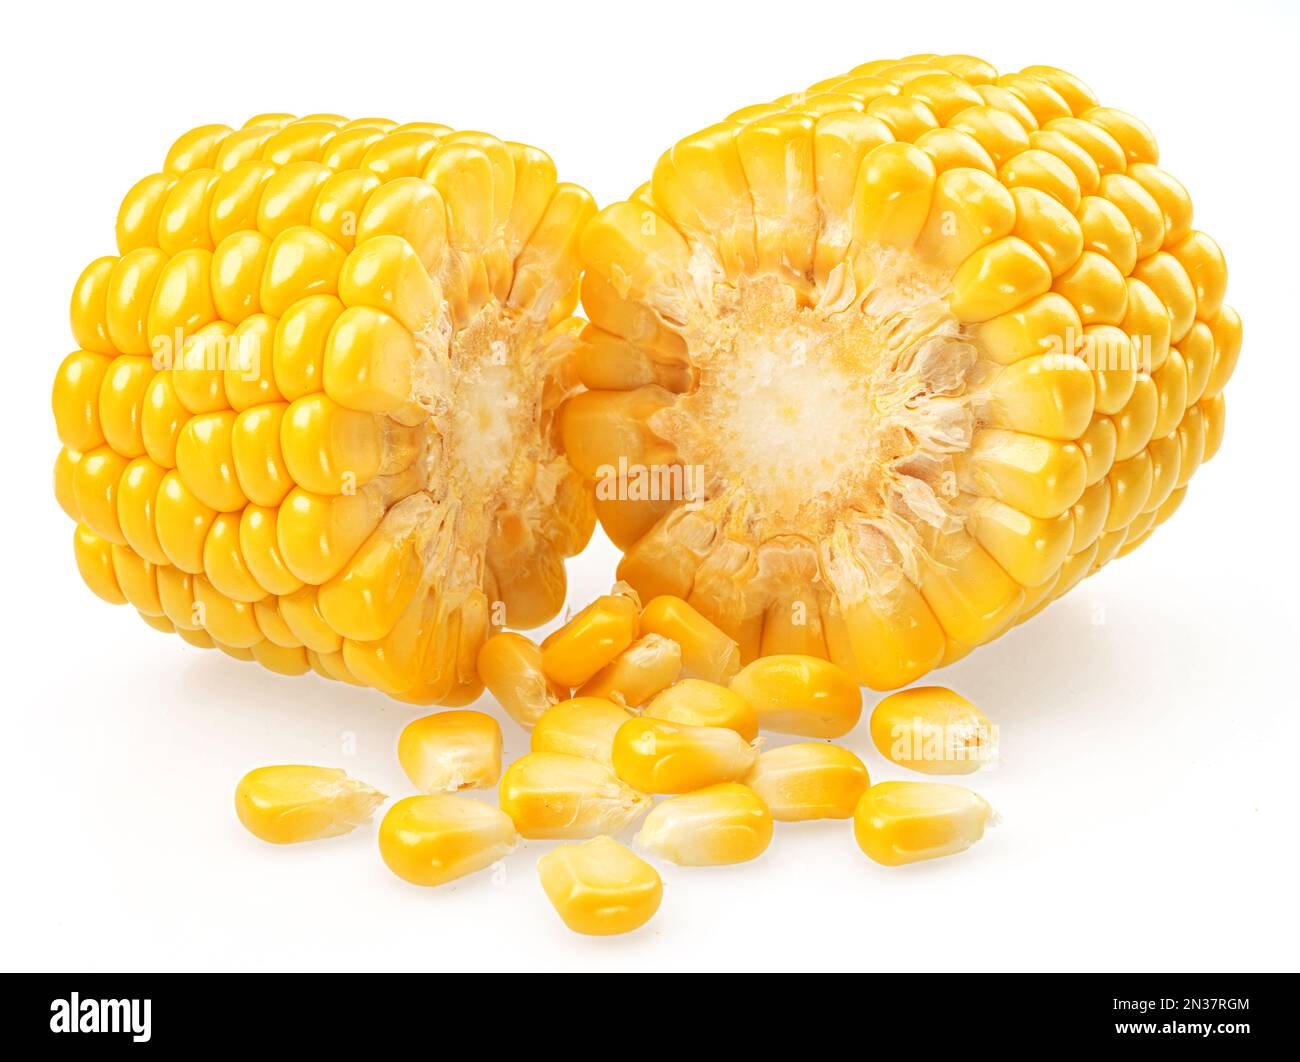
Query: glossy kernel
[(716, 826), (802, 695), (906, 822), (287, 804), (933, 730), (600, 887), (448, 751), (431, 840), (812, 780)]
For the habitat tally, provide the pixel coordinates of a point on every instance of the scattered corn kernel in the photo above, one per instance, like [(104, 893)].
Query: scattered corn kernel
[(707, 652), (803, 695), (700, 703), (447, 751), (430, 840), (553, 796), (589, 641), (726, 823), (905, 822), (811, 780), (511, 668), (645, 667), (933, 730), (583, 726), (656, 756), (290, 803), (600, 887)]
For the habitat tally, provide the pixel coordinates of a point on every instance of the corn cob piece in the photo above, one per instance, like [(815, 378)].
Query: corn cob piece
[(879, 369), (311, 416)]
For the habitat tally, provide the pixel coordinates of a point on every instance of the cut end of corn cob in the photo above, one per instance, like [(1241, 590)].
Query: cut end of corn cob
[(312, 412), (881, 368)]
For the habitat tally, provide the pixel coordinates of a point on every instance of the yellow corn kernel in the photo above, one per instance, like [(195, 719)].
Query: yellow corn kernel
[(589, 641), (905, 822), (933, 730), (655, 756), (722, 824), (802, 695), (430, 840), (707, 652), (550, 795), (583, 726), (700, 703), (511, 668), (291, 803), (448, 751), (645, 667), (811, 780), (600, 887)]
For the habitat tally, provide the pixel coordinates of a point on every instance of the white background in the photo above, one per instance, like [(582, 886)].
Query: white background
[(1149, 721)]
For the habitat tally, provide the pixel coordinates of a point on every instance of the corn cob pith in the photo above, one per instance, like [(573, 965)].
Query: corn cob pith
[(311, 416), (881, 368)]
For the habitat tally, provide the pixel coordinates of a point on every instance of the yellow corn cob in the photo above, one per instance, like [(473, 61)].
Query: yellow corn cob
[(311, 416), (880, 369)]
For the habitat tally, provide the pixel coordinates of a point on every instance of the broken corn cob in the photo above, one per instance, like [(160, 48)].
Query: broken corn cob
[(600, 887), (430, 840), (904, 357), (905, 822), (290, 803), (310, 418)]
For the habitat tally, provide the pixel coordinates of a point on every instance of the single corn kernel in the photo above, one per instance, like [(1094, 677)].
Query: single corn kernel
[(905, 822), (448, 751), (700, 703), (511, 668), (656, 756), (933, 730), (291, 803), (583, 726), (430, 840), (553, 796), (802, 695), (589, 641), (727, 823), (811, 780), (707, 651), (600, 887), (645, 667)]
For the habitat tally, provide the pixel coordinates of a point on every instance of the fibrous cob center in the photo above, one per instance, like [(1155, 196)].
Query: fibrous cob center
[(810, 412)]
